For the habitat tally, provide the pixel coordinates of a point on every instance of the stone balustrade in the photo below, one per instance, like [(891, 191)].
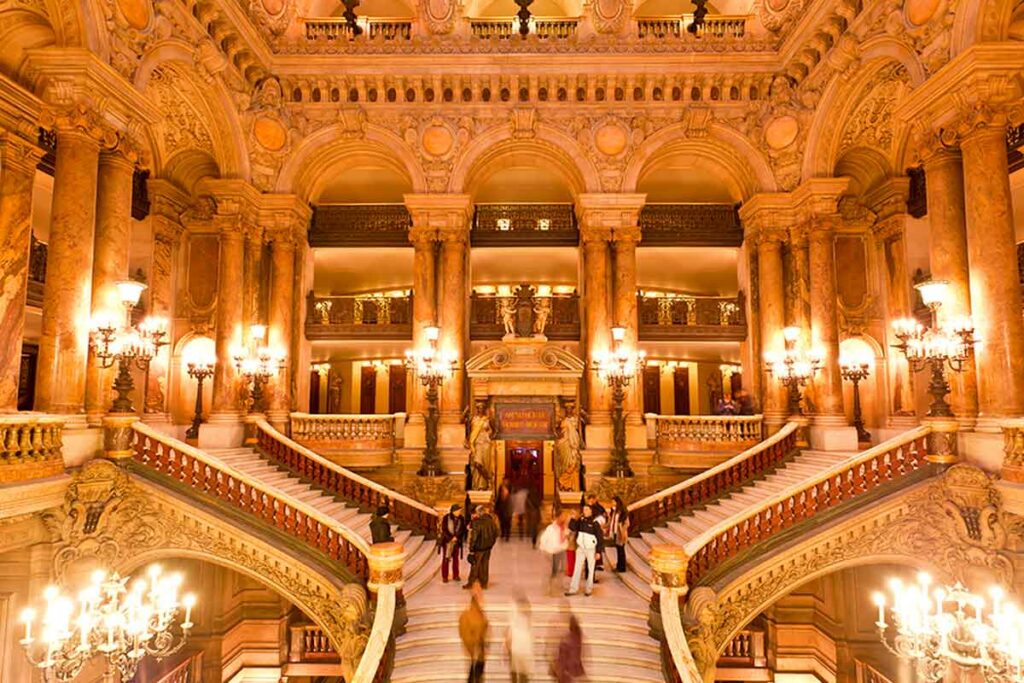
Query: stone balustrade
[(746, 649), (309, 643), (31, 447), (681, 433), (377, 316), (346, 432), (676, 26), (670, 316), (374, 28)]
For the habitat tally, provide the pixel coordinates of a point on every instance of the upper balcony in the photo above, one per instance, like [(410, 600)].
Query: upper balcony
[(382, 315), (486, 320), (665, 316), (524, 225)]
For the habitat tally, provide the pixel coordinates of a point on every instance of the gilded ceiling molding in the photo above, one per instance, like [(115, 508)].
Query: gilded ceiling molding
[(953, 526), (121, 522)]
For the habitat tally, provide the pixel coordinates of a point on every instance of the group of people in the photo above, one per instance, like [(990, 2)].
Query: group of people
[(738, 403), (576, 542)]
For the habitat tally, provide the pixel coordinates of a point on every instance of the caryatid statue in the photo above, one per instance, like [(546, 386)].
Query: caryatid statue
[(481, 445), (567, 450)]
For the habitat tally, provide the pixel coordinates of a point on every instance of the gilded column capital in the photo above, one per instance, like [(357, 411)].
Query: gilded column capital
[(439, 217), (592, 234), (166, 200), (627, 234), (890, 227), (817, 197), (286, 216), (81, 121), (616, 213), (767, 217), (888, 199), (18, 153)]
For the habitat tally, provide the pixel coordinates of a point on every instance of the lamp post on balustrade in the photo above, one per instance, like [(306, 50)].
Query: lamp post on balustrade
[(257, 364), (618, 369), (433, 368), (793, 368), (200, 365), (856, 369)]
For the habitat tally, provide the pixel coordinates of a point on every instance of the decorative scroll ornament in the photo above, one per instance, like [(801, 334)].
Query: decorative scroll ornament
[(610, 16), (440, 15)]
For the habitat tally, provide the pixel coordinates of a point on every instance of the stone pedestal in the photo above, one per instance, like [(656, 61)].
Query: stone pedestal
[(385, 563), (831, 433), (117, 436), (480, 497), (224, 430), (668, 573), (943, 447)]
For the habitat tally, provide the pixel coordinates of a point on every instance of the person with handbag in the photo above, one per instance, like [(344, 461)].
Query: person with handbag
[(589, 539), (450, 539), (618, 531)]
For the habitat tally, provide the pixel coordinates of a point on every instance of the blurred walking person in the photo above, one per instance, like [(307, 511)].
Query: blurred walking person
[(503, 506), (519, 642), (473, 628), (568, 664), (533, 503), (555, 542)]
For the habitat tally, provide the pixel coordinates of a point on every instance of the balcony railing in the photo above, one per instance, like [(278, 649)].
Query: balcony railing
[(746, 649), (700, 225), (30, 447), (374, 28), (687, 433), (486, 321), (524, 225), (360, 225), (362, 316), (721, 26), (328, 433), (674, 317), (503, 28)]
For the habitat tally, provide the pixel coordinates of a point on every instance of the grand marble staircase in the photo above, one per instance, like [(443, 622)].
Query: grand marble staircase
[(803, 466), (422, 562)]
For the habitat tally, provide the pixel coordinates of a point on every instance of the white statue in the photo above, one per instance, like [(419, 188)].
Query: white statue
[(480, 434), (507, 310), (541, 313), (567, 450)]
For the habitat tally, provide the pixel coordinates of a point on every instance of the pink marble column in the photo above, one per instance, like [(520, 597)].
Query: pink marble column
[(229, 317), (944, 174), (252, 277), (624, 304), (424, 297), (772, 313), (824, 320), (112, 246), (994, 279), (67, 295), (18, 160), (281, 319), (454, 321), (597, 318)]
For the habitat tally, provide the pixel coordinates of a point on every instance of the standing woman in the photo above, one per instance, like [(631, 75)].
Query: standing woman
[(618, 531)]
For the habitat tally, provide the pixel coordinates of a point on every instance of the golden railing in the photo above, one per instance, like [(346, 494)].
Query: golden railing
[(503, 28), (30, 446), (348, 431), (382, 28), (675, 26), (684, 432)]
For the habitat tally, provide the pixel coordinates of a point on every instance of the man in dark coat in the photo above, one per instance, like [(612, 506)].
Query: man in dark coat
[(483, 533), (380, 528), (450, 540)]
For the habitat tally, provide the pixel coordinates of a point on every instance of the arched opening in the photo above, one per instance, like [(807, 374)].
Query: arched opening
[(21, 31)]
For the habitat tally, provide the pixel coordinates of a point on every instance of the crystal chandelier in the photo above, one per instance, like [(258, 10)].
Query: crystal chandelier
[(936, 347), (257, 364), (127, 345), (948, 628), (111, 618), (794, 367)]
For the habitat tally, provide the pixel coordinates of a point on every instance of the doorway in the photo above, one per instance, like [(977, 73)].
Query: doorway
[(524, 465), (681, 389)]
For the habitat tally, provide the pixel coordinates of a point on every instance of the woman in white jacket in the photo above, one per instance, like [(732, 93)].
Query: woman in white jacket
[(519, 642)]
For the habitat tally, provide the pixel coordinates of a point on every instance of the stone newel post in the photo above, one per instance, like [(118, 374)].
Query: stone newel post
[(386, 562)]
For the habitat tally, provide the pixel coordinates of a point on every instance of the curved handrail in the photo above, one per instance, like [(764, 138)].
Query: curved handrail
[(377, 644), (798, 502), (334, 478), (675, 638), (200, 471), (714, 482)]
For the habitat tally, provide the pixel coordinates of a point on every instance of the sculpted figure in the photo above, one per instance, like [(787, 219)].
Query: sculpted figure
[(481, 433), (507, 309), (567, 450), (541, 313)]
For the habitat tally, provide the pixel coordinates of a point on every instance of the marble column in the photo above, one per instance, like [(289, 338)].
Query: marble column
[(828, 384), (891, 241), (798, 295), (597, 319), (166, 206), (771, 295), (252, 277), (994, 278), (424, 303), (453, 313), (229, 318), (67, 295), (944, 175), (110, 264), (624, 305), (281, 319), (17, 171)]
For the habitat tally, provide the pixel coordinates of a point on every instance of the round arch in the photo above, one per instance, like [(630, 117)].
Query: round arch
[(487, 152), (981, 21), (841, 98), (332, 149), (740, 161)]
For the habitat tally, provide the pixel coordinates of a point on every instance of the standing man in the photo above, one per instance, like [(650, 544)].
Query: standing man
[(588, 539), (483, 534), (503, 504), (473, 633), (380, 528), (450, 542)]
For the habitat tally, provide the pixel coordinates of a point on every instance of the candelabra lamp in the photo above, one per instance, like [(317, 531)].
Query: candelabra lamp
[(433, 368), (119, 620), (856, 369), (127, 345), (257, 364), (949, 633), (200, 360), (618, 369), (936, 347), (794, 368)]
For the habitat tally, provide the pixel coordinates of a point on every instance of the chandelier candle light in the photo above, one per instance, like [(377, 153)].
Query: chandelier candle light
[(618, 369), (935, 347), (123, 621), (943, 630), (257, 364), (433, 368), (794, 367), (125, 344)]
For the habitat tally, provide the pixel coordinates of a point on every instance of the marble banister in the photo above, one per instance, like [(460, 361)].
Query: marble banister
[(346, 484), (704, 432), (348, 431), (714, 482), (194, 469), (30, 446), (309, 643)]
